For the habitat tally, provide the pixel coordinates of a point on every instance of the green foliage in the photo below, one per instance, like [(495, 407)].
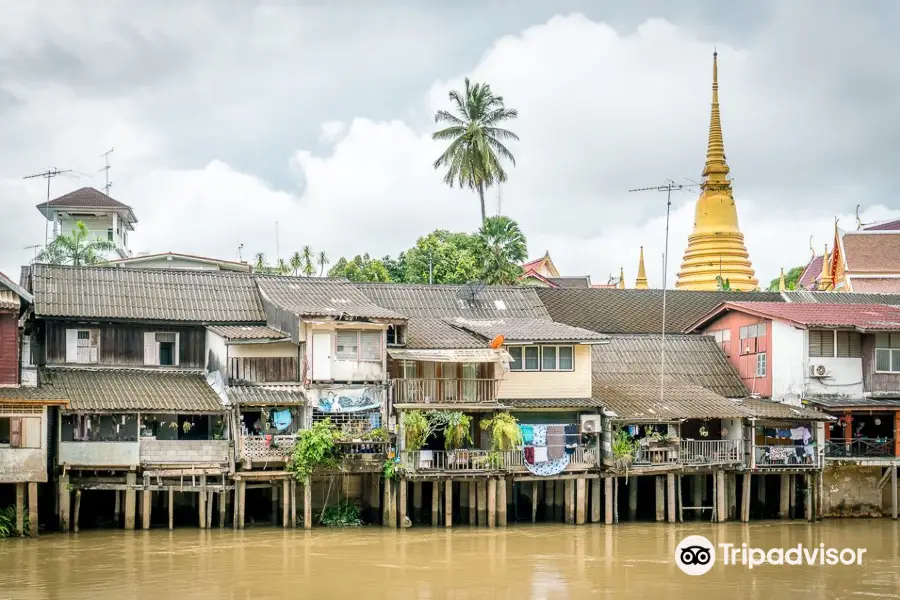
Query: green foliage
[(8, 521), (451, 257), (501, 247), (456, 426), (791, 279), (379, 434), (76, 248), (361, 268), (475, 150), (505, 432), (723, 285), (623, 447), (396, 267), (315, 450), (389, 469), (418, 429), (323, 261), (343, 514)]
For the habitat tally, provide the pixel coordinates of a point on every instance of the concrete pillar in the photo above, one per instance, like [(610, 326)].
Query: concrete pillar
[(171, 505), (307, 503), (77, 510), (570, 501), (402, 502), (473, 503), (697, 499), (293, 503), (417, 501), (147, 508), (390, 504), (807, 487), (448, 503), (273, 497), (242, 504), (596, 485), (33, 524), (731, 489), (20, 508), (580, 501), (501, 502), (793, 480), (559, 493), (492, 502), (117, 508), (747, 482), (761, 489), (201, 504), (608, 493), (534, 500), (660, 499), (285, 503), (894, 490), (784, 497), (63, 495), (632, 498), (482, 502), (130, 499), (670, 485), (435, 503), (721, 506)]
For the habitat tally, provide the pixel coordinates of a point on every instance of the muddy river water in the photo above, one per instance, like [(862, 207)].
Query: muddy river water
[(518, 563)]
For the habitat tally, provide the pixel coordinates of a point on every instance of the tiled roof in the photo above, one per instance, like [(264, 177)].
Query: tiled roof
[(438, 301), (583, 281), (424, 332), (842, 297), (8, 300), (128, 390), (766, 409), (865, 317), (892, 225), (811, 273), (247, 332), (637, 398), (11, 293), (86, 197), (636, 311), (835, 402), (877, 285), (526, 330), (322, 297), (266, 395), (229, 265), (872, 252), (695, 359), (574, 403), (145, 294)]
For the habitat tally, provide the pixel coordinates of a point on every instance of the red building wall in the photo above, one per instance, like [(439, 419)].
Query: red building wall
[(744, 356), (9, 348)]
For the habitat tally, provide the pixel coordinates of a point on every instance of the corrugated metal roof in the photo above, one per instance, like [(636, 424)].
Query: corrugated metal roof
[(637, 398), (834, 402), (526, 330), (11, 293), (128, 390), (424, 332), (321, 297), (145, 294), (866, 317), (636, 311), (572, 403), (583, 281), (266, 395), (767, 409), (810, 296), (467, 355), (9, 300), (247, 332), (436, 301)]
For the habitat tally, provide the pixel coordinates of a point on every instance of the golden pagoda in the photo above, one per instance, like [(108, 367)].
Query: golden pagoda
[(641, 282), (716, 246)]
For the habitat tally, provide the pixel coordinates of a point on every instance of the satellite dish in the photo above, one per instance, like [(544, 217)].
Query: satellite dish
[(470, 290), (497, 342)]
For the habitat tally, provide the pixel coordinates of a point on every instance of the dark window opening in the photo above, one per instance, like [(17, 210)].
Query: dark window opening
[(167, 354)]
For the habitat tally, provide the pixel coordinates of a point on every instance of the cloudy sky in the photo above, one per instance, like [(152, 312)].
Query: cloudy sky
[(317, 115)]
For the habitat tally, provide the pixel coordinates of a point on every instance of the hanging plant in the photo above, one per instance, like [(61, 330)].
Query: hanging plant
[(417, 429), (505, 432), (186, 426), (456, 425), (315, 450), (623, 448)]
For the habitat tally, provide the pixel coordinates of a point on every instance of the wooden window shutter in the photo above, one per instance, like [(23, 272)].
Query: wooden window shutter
[(15, 432), (151, 349), (31, 432), (177, 350), (71, 345), (369, 345)]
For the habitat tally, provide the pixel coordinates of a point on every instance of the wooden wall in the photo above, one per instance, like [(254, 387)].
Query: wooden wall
[(263, 369), (9, 348), (122, 344), (872, 381)]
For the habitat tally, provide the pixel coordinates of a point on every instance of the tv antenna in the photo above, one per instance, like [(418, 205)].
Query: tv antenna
[(667, 188), (470, 290), (33, 247), (108, 185), (48, 175), (240, 247)]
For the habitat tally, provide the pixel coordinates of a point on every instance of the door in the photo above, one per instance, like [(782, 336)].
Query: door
[(321, 356), (469, 385)]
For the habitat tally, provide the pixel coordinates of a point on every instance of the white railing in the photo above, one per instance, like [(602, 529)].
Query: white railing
[(787, 456), (584, 456), (444, 391), (711, 452), (258, 447), (656, 455), (446, 460)]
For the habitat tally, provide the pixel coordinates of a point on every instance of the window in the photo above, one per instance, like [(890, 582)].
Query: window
[(83, 346), (821, 343), (723, 338), (161, 348), (355, 344), (750, 338), (541, 358), (887, 353), (827, 343), (752, 331), (761, 364), (395, 335), (109, 234), (849, 344), (20, 432)]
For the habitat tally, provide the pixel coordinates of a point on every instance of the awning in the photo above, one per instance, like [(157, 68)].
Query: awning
[(470, 355)]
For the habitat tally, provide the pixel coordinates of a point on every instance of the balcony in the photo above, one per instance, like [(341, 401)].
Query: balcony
[(452, 462), (444, 391), (711, 452), (99, 454), (183, 452), (787, 456), (266, 448), (860, 448)]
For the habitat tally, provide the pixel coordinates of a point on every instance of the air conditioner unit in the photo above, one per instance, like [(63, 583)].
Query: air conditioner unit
[(590, 423), (819, 371)]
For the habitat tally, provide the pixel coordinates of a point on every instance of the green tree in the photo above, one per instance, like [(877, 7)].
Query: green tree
[(76, 248), (723, 285), (396, 267), (791, 279), (309, 258), (322, 260), (361, 268), (296, 263), (501, 248), (473, 157), (447, 257)]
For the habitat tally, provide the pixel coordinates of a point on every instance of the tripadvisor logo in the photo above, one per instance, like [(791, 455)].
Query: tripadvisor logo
[(696, 555)]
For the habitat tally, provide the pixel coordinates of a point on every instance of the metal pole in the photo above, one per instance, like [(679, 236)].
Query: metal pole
[(662, 359)]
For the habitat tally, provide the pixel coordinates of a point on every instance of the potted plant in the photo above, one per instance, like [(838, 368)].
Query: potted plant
[(623, 448)]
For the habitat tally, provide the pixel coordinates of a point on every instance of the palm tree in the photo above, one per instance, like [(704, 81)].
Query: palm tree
[(282, 267), (322, 260), (501, 247), (309, 269), (296, 263), (261, 265), (476, 142), (76, 248)]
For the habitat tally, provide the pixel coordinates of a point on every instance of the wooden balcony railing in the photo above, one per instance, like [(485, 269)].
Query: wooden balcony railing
[(444, 391), (363, 447), (859, 448), (442, 461), (787, 456), (711, 452), (656, 455)]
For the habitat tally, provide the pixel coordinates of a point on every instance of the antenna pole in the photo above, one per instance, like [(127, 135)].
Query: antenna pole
[(108, 185), (48, 175)]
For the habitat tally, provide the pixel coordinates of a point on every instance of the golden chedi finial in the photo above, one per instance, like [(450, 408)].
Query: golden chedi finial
[(716, 244), (825, 280), (621, 284), (781, 285), (641, 282)]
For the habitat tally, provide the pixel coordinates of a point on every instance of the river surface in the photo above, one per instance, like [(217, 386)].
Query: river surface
[(523, 562)]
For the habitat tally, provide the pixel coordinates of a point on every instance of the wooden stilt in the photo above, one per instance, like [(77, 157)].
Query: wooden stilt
[(273, 496), (680, 496), (820, 495), (130, 499), (660, 498), (235, 505), (285, 503), (201, 504), (501, 502), (293, 503), (570, 501), (632, 498), (608, 493), (894, 492), (482, 503), (448, 503), (731, 480), (670, 486), (435, 503), (307, 504), (171, 496), (146, 507), (784, 497), (223, 498), (33, 524), (417, 501), (793, 480), (402, 502), (209, 508), (807, 492), (559, 494), (77, 509), (534, 501), (747, 482), (473, 503), (616, 500), (117, 508), (492, 502), (241, 503), (596, 486), (20, 509), (721, 507), (580, 501), (761, 489)]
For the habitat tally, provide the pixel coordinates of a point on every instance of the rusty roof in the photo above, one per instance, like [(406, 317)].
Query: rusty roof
[(873, 252), (87, 198), (863, 317)]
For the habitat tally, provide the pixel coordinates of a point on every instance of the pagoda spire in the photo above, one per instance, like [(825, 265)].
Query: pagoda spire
[(621, 284), (641, 282), (825, 280), (715, 171), (781, 285)]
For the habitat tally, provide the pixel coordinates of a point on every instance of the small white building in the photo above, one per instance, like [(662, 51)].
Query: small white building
[(104, 217)]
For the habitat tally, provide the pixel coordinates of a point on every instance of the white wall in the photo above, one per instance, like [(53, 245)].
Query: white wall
[(215, 344), (349, 370), (25, 464), (551, 384), (97, 227), (270, 350), (99, 454), (845, 378), (787, 358), (163, 262)]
